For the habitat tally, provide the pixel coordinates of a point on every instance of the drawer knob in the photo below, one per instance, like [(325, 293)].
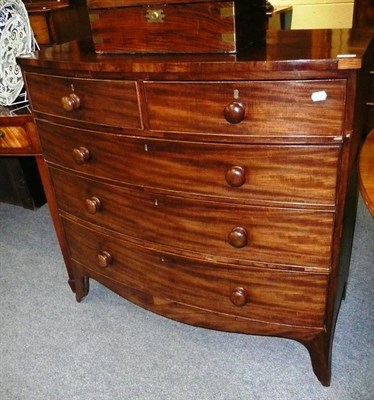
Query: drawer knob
[(81, 155), (2, 134), (93, 205), (234, 112), (238, 237), (239, 297), (235, 176), (71, 102), (104, 259)]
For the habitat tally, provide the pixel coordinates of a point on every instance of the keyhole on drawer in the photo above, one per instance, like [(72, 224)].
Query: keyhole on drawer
[(72, 87), (155, 202), (236, 94), (145, 147)]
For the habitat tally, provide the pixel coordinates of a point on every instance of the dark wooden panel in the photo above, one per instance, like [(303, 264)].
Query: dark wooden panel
[(12, 137), (363, 14), (58, 22)]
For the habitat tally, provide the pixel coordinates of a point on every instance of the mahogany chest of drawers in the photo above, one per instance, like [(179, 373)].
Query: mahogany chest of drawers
[(211, 189)]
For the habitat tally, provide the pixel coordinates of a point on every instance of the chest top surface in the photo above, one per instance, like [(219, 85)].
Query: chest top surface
[(284, 51)]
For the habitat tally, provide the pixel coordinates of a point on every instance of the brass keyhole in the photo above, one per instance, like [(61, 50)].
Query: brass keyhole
[(154, 15)]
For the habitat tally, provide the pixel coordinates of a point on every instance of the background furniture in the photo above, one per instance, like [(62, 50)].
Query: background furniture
[(58, 21), (366, 172), (363, 18), (20, 183), (200, 195), (363, 14), (279, 17), (319, 14)]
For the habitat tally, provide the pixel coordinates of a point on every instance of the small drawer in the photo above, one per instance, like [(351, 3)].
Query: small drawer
[(266, 295), (256, 108), (211, 230), (14, 137), (245, 173), (104, 102)]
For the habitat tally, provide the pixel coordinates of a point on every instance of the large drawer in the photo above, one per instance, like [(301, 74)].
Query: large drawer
[(277, 174), (104, 102), (268, 295), (210, 230), (264, 108)]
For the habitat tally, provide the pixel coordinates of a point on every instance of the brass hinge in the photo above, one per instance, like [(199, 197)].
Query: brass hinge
[(97, 39), (226, 12), (228, 37), (94, 18)]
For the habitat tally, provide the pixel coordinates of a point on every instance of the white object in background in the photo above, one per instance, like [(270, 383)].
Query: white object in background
[(319, 14), (16, 38), (322, 16)]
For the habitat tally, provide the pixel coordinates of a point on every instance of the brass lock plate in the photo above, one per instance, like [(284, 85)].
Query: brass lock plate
[(155, 15)]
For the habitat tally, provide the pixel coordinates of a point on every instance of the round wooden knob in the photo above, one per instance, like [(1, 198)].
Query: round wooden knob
[(2, 134), (238, 237), (104, 259), (234, 112), (239, 297), (93, 205), (71, 102), (81, 155), (235, 176)]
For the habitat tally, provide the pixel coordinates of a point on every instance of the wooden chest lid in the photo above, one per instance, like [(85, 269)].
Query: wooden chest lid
[(94, 4)]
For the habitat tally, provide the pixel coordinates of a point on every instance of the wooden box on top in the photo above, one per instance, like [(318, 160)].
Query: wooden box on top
[(176, 26)]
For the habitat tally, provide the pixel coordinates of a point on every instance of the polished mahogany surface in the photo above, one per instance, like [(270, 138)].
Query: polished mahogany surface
[(18, 135), (217, 190), (305, 50)]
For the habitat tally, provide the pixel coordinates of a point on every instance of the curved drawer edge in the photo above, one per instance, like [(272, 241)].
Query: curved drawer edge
[(196, 316)]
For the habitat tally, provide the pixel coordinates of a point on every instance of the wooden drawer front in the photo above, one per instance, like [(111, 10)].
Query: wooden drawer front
[(268, 295), (104, 102), (241, 172), (267, 108), (184, 28), (13, 137), (213, 230)]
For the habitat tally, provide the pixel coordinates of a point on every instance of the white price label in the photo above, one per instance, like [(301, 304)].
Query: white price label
[(319, 96)]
